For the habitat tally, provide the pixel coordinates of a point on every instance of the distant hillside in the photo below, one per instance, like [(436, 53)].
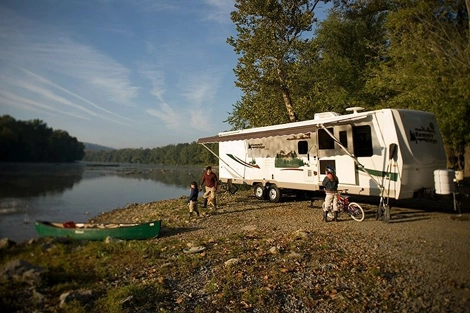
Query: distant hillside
[(94, 147)]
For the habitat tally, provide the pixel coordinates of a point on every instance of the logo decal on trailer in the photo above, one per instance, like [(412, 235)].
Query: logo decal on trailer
[(425, 134)]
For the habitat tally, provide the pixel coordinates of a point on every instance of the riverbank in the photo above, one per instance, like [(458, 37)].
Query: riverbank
[(258, 257)]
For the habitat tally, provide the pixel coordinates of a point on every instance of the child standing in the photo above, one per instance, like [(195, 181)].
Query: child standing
[(330, 182), (192, 200)]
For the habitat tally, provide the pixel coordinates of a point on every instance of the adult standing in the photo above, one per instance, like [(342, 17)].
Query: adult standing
[(211, 182), (330, 182)]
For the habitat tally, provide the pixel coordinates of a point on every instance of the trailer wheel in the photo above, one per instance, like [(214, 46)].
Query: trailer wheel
[(274, 194), (260, 192)]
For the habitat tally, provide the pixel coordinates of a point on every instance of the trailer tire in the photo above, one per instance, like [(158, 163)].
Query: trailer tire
[(260, 192), (274, 194)]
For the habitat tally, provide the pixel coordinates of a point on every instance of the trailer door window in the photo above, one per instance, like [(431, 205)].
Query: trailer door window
[(324, 140), (362, 141), (302, 147)]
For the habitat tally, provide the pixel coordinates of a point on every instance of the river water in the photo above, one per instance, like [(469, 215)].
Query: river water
[(79, 192)]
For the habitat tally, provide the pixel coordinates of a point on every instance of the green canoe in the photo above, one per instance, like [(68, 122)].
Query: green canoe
[(88, 231)]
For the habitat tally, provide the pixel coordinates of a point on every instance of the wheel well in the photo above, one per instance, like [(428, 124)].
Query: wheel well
[(265, 185)]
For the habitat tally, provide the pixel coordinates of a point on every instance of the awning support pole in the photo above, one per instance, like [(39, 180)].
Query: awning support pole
[(220, 159)]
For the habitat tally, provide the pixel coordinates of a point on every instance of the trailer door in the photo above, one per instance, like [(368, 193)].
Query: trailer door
[(332, 155)]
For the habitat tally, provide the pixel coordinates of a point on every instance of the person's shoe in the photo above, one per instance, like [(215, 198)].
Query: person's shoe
[(214, 202)]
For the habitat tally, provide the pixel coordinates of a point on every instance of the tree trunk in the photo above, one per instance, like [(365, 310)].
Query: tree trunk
[(288, 104), (466, 169), (286, 97), (451, 160), (467, 4)]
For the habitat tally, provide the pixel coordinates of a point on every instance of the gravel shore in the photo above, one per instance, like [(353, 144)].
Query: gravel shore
[(418, 262), (257, 256)]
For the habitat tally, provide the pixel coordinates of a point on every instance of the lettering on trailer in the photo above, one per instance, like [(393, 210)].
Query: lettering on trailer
[(256, 146), (425, 134)]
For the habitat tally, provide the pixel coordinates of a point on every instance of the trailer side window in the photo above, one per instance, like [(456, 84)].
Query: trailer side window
[(302, 147), (362, 141), (343, 138), (324, 140)]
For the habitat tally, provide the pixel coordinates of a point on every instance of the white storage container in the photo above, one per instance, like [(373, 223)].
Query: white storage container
[(444, 181)]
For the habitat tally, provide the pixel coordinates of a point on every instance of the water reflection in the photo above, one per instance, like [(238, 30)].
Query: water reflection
[(32, 180), (81, 191), (178, 177)]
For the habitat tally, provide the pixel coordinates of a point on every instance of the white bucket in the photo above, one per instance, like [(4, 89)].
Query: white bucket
[(444, 181)]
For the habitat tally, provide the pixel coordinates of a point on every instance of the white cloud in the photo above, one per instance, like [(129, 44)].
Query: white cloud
[(199, 120), (48, 82), (13, 100), (52, 50), (170, 117), (157, 79), (221, 10), (46, 94), (200, 88)]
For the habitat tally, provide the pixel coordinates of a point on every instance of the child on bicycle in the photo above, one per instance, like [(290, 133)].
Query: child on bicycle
[(330, 182)]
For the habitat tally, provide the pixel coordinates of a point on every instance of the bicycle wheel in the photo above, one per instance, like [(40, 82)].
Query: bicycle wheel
[(356, 212)]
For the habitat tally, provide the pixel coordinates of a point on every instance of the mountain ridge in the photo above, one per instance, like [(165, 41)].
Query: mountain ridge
[(94, 147)]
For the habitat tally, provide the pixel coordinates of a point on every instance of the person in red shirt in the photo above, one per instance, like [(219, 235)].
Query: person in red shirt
[(211, 182)]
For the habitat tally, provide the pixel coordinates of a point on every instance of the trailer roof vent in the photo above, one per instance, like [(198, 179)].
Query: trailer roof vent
[(355, 109), (319, 116)]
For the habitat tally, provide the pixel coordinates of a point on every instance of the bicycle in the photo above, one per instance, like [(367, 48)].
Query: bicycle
[(353, 209)]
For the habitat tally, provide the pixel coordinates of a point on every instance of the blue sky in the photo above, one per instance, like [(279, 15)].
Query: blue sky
[(119, 73)]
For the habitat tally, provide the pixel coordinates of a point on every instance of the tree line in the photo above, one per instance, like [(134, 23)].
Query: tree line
[(373, 54), (33, 141), (174, 154)]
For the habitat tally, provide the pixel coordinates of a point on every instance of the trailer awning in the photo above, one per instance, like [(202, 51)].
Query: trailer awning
[(257, 134), (280, 130)]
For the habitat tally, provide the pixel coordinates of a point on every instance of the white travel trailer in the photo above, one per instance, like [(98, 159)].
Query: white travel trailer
[(390, 153)]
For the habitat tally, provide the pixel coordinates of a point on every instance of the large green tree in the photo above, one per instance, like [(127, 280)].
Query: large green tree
[(268, 42), (33, 141), (346, 46), (427, 66)]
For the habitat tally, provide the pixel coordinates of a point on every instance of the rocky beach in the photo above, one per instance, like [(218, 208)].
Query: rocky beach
[(252, 256)]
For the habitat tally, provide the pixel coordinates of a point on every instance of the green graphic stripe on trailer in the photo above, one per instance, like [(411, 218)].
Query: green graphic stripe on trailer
[(392, 176), (242, 162)]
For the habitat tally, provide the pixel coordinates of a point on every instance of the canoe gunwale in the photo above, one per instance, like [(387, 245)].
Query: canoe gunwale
[(89, 231)]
